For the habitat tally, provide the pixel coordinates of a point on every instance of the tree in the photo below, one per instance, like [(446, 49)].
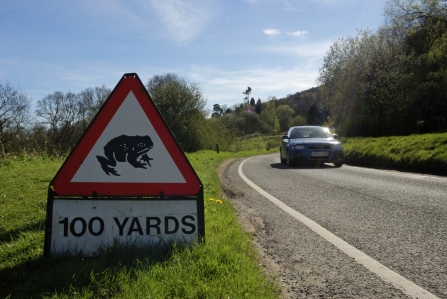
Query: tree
[(224, 108), (299, 120), (284, 114), (361, 82), (247, 94), (238, 108), (217, 111), (269, 115), (244, 123), (14, 110), (314, 116), (218, 133), (182, 105), (252, 102), (90, 101), (60, 112), (403, 16), (258, 106), (422, 27)]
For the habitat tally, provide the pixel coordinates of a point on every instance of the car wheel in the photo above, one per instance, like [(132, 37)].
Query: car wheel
[(338, 164), (289, 160), (283, 161)]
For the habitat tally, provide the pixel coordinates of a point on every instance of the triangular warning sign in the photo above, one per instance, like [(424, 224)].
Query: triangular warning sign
[(127, 150)]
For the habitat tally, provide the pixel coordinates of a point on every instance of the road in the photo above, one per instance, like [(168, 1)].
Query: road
[(391, 228)]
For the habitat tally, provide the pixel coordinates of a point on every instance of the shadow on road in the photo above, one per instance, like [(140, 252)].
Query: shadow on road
[(307, 165)]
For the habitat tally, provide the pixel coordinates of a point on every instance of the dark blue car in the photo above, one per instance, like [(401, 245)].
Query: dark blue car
[(310, 143)]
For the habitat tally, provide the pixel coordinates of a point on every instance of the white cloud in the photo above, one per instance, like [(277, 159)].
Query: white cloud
[(226, 87), (272, 31), (184, 20), (312, 51), (297, 33), (278, 32)]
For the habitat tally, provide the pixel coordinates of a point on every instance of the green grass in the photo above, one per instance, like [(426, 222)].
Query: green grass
[(427, 152), (256, 142), (224, 266)]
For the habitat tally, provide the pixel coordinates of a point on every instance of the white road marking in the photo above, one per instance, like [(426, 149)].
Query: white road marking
[(386, 274)]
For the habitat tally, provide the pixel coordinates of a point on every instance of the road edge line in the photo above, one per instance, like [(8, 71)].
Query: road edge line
[(385, 273)]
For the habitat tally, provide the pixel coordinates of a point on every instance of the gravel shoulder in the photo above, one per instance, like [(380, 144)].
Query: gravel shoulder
[(251, 224)]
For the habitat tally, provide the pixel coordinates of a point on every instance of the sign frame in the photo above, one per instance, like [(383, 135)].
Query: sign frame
[(151, 193), (49, 249)]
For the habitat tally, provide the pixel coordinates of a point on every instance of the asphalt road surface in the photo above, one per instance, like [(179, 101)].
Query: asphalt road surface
[(346, 232)]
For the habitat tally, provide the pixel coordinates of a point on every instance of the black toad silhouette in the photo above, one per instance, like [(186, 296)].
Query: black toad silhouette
[(132, 149)]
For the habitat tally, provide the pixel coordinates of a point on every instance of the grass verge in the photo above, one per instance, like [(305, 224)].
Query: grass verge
[(425, 153), (225, 266)]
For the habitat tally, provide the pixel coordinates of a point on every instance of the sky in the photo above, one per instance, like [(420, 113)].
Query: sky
[(274, 46)]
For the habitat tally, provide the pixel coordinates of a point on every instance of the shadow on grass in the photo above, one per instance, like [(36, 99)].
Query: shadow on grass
[(15, 233), (414, 170), (70, 276)]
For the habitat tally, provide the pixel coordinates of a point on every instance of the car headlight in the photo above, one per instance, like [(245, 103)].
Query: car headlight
[(298, 147), (336, 146)]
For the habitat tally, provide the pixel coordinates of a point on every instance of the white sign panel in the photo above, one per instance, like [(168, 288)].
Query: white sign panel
[(83, 225), (130, 117)]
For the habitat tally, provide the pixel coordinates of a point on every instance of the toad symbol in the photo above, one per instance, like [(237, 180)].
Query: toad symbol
[(132, 149)]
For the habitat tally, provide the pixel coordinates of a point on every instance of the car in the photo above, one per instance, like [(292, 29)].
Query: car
[(310, 144)]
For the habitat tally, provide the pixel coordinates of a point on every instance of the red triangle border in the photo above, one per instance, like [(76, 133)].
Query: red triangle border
[(62, 184)]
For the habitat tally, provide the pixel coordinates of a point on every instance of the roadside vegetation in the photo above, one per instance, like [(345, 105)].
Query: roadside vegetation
[(424, 152), (226, 265)]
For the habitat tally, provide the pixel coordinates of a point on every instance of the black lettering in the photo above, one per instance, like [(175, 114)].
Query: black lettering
[(167, 231), (191, 225), (101, 226), (156, 225), (121, 227), (135, 222), (83, 229), (65, 223)]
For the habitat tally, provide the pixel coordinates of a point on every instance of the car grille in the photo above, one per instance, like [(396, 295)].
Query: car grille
[(319, 147)]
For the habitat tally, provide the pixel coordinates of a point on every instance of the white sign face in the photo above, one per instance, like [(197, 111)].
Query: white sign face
[(117, 154), (83, 225)]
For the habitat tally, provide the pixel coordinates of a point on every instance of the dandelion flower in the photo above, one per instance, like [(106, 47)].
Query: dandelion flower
[(218, 201), (211, 199)]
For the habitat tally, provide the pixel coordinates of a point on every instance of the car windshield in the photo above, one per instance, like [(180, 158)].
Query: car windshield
[(310, 133)]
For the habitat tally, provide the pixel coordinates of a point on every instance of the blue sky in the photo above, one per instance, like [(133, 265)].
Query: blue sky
[(274, 46)]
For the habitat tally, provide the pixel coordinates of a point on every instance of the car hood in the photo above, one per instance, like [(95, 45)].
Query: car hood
[(315, 140)]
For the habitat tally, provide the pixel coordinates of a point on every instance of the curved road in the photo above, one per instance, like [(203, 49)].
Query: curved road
[(346, 232)]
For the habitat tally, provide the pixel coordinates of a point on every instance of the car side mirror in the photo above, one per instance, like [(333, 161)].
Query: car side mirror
[(335, 136), (285, 137)]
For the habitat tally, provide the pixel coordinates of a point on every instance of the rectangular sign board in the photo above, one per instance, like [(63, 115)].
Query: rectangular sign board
[(81, 225), (127, 180)]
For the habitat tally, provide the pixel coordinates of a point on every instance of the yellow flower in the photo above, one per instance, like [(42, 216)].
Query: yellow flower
[(218, 201), (211, 199)]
